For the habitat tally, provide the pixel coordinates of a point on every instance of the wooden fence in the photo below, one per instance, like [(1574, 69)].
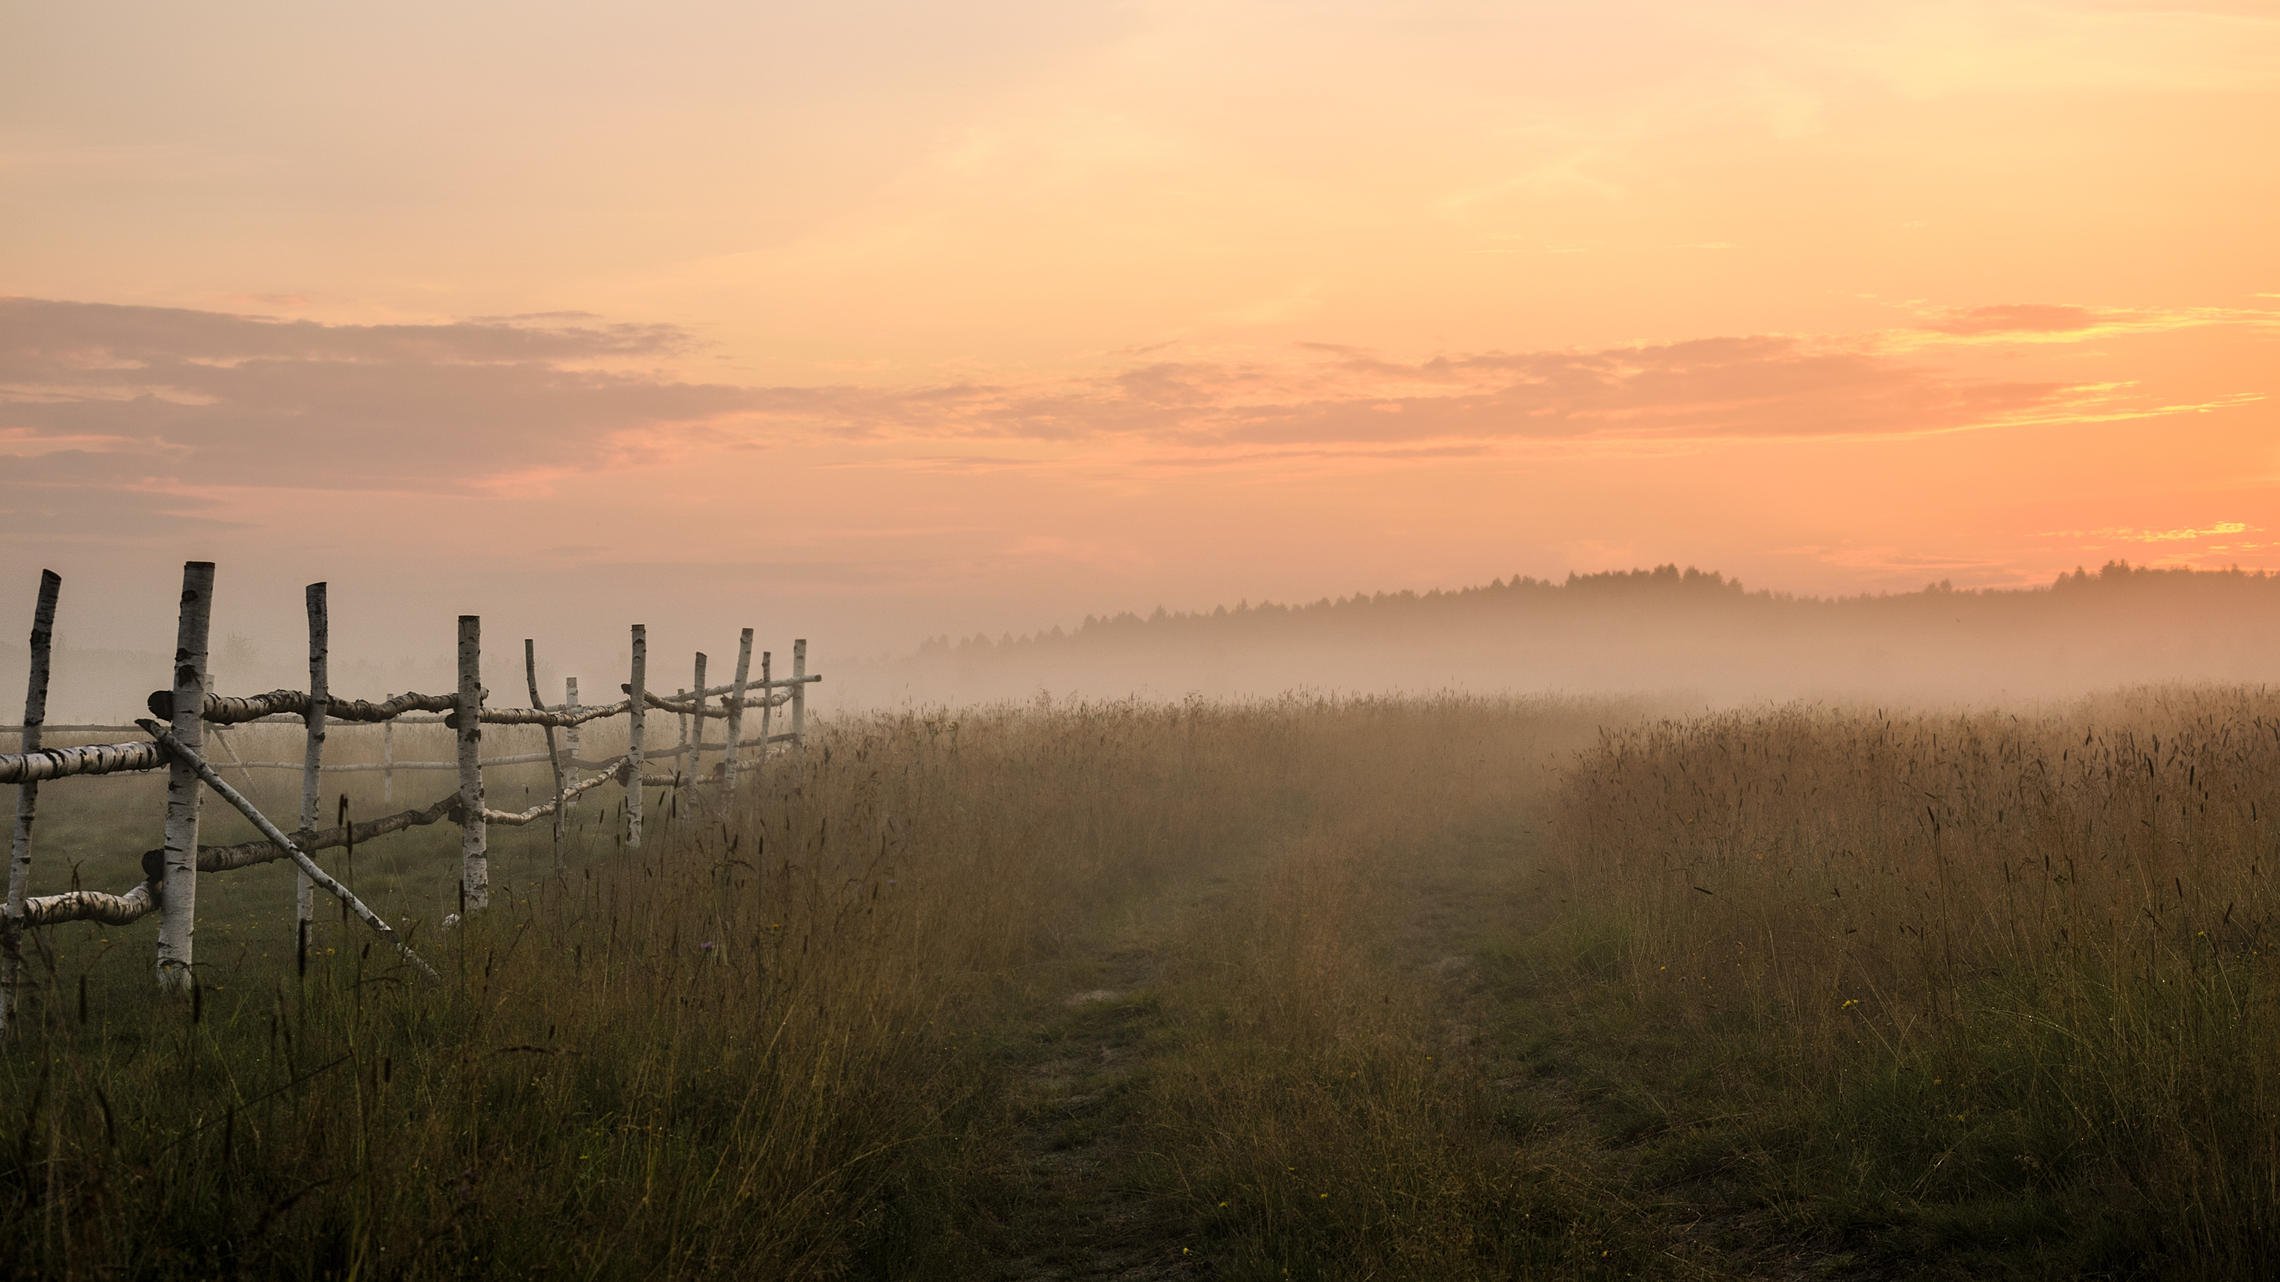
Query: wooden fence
[(185, 716)]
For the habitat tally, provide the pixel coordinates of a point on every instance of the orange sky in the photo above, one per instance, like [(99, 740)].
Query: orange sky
[(890, 319)]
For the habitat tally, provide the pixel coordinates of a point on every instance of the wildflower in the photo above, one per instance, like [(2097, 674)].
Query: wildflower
[(1850, 1002)]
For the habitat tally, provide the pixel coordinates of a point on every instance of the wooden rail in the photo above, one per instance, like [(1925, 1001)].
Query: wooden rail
[(182, 715)]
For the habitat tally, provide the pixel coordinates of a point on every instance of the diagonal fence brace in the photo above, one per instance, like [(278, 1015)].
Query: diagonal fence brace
[(325, 881)]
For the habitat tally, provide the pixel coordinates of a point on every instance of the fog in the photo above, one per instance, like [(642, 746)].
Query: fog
[(1689, 637)]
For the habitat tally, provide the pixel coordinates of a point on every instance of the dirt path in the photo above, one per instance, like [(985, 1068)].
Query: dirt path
[(1078, 1210), (1649, 1158)]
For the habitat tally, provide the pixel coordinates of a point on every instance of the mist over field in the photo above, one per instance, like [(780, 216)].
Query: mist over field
[(1690, 637)]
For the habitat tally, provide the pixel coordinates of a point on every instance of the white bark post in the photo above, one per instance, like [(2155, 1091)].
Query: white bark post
[(178, 878), (312, 761), (553, 754), (474, 864), (637, 691), (681, 741), (570, 733), (767, 706), (736, 706), (27, 796), (697, 722), (387, 762), (799, 696)]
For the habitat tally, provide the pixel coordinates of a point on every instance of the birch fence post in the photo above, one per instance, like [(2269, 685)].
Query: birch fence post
[(474, 866), (799, 696), (387, 762), (697, 723), (178, 863), (767, 707), (27, 797), (570, 734), (681, 739), (553, 756), (312, 764), (735, 733), (637, 695)]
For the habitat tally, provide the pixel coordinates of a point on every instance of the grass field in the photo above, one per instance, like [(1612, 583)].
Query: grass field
[(1437, 988)]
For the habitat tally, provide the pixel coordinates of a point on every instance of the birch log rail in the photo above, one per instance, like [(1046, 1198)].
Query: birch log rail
[(91, 759), (182, 712)]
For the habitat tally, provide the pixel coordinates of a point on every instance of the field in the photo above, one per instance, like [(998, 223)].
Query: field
[(1430, 988)]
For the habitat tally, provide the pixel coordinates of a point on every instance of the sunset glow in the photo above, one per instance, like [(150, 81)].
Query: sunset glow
[(905, 318)]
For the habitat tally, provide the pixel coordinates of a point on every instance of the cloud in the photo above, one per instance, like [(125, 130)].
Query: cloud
[(2132, 534), (2015, 318), (23, 442), (2067, 322), (224, 399), (1339, 397), (1903, 563), (504, 406), (1765, 386)]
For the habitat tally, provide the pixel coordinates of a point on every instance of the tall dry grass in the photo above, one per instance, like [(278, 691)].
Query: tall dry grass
[(1319, 1104), (739, 1051), (775, 1041), (2020, 962), (1307, 988)]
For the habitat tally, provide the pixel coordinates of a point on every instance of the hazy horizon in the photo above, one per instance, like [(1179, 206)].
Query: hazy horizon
[(893, 319), (1689, 638)]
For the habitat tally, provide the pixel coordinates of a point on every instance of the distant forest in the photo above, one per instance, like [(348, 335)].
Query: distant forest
[(1664, 629)]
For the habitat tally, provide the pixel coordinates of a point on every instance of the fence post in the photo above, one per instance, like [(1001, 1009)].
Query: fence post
[(637, 692), (27, 796), (799, 696), (387, 762), (178, 864), (681, 738), (312, 762), (474, 866), (570, 705), (736, 705), (767, 706), (697, 723), (553, 754)]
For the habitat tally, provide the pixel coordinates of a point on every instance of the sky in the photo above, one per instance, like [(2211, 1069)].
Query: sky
[(873, 320)]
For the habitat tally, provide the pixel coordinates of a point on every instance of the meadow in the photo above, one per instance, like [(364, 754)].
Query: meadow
[(1310, 988)]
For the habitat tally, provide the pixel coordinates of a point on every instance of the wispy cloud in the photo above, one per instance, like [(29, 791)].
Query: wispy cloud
[(1333, 396), (2011, 323), (95, 395), (2133, 534), (248, 401)]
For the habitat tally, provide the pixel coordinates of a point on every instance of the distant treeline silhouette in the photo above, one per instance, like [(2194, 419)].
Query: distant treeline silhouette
[(1664, 628), (2114, 582)]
